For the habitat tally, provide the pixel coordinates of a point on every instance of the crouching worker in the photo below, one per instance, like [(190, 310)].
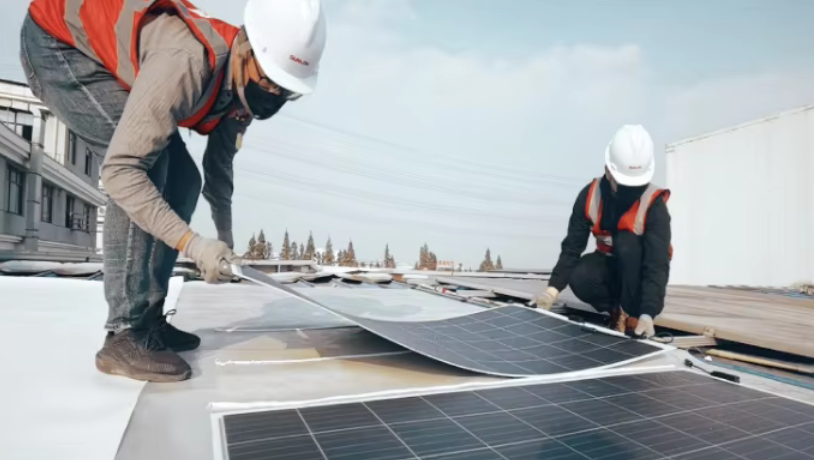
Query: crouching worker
[(627, 274)]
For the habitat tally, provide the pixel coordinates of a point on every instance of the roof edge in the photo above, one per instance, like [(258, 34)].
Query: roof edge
[(670, 146)]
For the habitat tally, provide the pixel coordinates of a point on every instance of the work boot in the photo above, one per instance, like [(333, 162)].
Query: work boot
[(174, 338), (141, 355), (618, 319)]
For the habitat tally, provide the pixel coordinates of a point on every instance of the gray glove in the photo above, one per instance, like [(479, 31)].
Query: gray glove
[(212, 258), (645, 327)]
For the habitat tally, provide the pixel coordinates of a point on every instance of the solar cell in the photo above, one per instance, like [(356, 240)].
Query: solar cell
[(649, 416), (506, 341)]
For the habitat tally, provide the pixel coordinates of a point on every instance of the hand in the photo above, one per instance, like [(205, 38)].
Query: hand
[(547, 298), (645, 327), (212, 258)]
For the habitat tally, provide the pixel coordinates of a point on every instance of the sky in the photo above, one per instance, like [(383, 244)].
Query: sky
[(473, 124)]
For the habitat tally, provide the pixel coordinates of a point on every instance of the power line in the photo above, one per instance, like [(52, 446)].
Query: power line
[(459, 162), (406, 179), (389, 201)]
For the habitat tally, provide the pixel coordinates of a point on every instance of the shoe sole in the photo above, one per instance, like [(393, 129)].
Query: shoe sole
[(108, 367)]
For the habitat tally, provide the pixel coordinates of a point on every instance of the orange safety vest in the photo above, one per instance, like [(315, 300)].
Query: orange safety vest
[(633, 220), (107, 31)]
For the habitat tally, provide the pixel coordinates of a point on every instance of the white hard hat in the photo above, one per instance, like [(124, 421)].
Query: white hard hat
[(287, 37), (629, 156)]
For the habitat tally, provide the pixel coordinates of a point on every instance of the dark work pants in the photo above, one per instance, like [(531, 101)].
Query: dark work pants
[(605, 282)]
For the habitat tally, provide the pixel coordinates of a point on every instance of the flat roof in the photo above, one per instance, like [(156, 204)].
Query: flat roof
[(259, 347)]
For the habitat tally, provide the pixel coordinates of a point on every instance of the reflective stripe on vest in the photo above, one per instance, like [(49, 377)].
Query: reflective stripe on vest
[(634, 220), (107, 32)]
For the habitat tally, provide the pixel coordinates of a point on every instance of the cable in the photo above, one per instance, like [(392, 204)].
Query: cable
[(428, 226), (349, 193), (722, 375), (409, 179), (432, 155)]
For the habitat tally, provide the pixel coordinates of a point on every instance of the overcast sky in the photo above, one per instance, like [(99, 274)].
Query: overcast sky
[(469, 124)]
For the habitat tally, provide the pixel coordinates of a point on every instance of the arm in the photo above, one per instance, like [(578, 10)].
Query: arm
[(656, 259), (219, 176), (169, 82), (572, 247)]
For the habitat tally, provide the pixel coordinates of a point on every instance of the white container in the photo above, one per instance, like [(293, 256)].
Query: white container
[(742, 203)]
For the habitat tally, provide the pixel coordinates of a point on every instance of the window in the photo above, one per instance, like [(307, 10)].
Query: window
[(72, 147), (69, 201), (18, 121), (14, 193), (86, 218), (47, 204), (88, 161)]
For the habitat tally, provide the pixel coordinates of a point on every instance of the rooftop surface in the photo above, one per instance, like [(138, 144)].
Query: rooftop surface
[(259, 348)]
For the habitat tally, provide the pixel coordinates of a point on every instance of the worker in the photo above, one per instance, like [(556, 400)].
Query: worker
[(126, 76), (626, 276)]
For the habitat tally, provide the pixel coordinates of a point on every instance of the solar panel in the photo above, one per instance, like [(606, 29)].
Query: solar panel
[(504, 341), (676, 415)]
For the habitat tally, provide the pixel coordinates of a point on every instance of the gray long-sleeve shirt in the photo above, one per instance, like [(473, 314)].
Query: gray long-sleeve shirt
[(173, 74)]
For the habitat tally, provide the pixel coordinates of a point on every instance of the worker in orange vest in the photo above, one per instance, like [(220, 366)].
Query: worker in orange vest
[(627, 274), (125, 76)]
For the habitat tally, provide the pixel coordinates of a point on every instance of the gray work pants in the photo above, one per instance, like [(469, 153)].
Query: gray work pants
[(90, 101)]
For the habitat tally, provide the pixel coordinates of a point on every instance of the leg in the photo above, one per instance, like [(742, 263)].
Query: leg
[(591, 282), (182, 189), (90, 101), (628, 271)]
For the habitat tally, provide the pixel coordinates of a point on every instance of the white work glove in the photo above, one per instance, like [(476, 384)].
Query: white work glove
[(645, 327), (213, 258), (547, 298)]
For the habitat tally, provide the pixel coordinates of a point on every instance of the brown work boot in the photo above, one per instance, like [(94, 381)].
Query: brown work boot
[(141, 355), (174, 338), (618, 320)]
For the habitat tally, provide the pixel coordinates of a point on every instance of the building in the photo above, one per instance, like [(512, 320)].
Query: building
[(49, 182), (741, 203)]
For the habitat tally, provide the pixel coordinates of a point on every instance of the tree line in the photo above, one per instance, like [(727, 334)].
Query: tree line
[(260, 249)]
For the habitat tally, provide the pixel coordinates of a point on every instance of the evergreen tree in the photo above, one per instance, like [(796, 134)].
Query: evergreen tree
[(499, 264), (343, 259), (262, 248), (351, 255), (416, 267), (286, 251), (387, 255), (295, 252), (329, 253), (250, 252), (302, 252), (310, 249), (432, 261), (486, 265), (269, 250)]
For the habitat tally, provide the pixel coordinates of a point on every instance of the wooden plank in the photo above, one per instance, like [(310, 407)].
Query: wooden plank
[(775, 322), (780, 364)]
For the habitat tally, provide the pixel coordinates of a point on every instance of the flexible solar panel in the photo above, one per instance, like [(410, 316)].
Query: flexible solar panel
[(503, 341), (669, 415)]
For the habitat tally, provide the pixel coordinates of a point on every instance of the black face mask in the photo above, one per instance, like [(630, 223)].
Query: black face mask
[(262, 103)]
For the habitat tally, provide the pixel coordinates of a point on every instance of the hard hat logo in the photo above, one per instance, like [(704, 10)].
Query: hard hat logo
[(298, 60)]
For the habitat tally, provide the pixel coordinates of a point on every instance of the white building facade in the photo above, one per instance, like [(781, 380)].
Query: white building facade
[(49, 183), (742, 203)]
